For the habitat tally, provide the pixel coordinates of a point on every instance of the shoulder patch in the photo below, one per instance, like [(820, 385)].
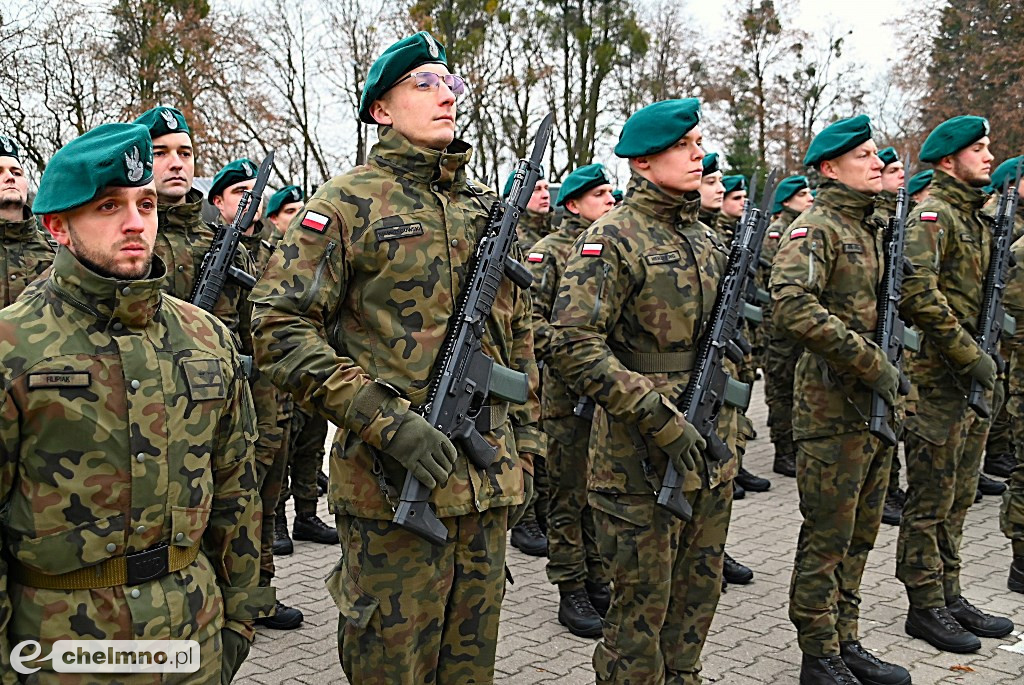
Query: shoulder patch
[(774, 235), (929, 216), (315, 222), (591, 249), (798, 232), (535, 257)]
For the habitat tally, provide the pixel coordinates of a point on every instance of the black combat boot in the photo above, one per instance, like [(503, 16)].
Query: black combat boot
[(737, 490), (1016, 580), (751, 482), (938, 628), (576, 613), (999, 465), (284, 618), (309, 527), (989, 486), (829, 670), (282, 541), (977, 621), (734, 572), (892, 512), (785, 465), (528, 538), (600, 596), (869, 669), (323, 483)]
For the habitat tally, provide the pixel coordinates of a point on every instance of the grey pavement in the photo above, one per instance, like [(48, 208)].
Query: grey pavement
[(751, 640)]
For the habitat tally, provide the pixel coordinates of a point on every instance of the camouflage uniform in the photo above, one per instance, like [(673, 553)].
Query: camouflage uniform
[(708, 217), (532, 227), (125, 425), (824, 283), (306, 458), (573, 556), (1011, 517), (360, 290), (26, 255), (642, 302), (944, 440)]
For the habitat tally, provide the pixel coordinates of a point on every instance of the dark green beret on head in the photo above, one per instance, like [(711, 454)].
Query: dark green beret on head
[(657, 127), (111, 155), (888, 156), (9, 148), (1006, 170), (285, 196), (618, 195), (838, 138), (394, 63), (235, 172), (951, 136), (787, 188), (710, 163), (163, 120), (580, 181), (512, 177), (920, 181), (734, 183)]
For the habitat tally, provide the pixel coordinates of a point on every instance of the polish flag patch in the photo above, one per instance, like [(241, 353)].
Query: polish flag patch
[(798, 233), (774, 234), (315, 222), (592, 249), (535, 257), (929, 216)]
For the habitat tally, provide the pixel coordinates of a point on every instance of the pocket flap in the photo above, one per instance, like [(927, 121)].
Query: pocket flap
[(188, 524), (80, 547), (353, 604)]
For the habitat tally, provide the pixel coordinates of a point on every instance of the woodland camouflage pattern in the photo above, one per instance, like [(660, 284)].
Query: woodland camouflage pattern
[(142, 437), (532, 227), (1011, 518), (25, 256)]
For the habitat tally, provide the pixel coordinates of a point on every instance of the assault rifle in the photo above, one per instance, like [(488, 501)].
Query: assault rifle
[(464, 376), (710, 386), (993, 318)]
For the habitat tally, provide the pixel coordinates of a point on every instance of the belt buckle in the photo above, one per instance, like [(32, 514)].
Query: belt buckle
[(147, 565)]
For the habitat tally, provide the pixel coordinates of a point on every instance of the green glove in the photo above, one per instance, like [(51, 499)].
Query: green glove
[(887, 384), (423, 450), (984, 371), (235, 648), (516, 514), (685, 450)]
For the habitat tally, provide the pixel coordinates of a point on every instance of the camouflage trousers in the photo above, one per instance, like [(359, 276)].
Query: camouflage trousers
[(1011, 515), (573, 557), (412, 612), (541, 502), (842, 481), (944, 444), (666, 580), (1000, 434), (308, 435), (780, 357), (270, 480)]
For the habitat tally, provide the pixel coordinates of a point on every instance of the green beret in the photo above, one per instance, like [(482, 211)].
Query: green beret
[(235, 172), (787, 188), (512, 177), (580, 181), (888, 156), (163, 120), (118, 155), (285, 196), (837, 139), (618, 195), (656, 127), (1005, 171), (400, 58), (734, 183), (9, 148), (951, 136), (710, 163), (920, 181)]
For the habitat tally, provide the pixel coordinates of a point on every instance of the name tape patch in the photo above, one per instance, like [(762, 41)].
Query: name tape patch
[(59, 379), (663, 258), (399, 232), (316, 222), (853, 248)]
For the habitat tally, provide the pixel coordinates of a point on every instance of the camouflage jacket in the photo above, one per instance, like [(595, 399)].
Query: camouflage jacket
[(885, 205), (708, 217), (361, 289), (725, 227), (949, 241), (824, 285), (640, 282), (532, 227), (1013, 299), (547, 260), (259, 251), (772, 240), (26, 255), (124, 424)]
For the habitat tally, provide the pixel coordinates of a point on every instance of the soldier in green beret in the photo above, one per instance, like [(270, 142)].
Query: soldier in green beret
[(107, 378), (918, 186), (949, 243), (536, 223), (281, 209), (574, 562), (893, 176), (711, 190), (824, 285), (734, 194), (626, 324), (24, 252), (350, 317)]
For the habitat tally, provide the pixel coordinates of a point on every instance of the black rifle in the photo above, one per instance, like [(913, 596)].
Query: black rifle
[(710, 384), (218, 264), (891, 333), (993, 318), (464, 376)]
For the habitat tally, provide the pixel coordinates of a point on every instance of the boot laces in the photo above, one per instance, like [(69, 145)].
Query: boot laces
[(839, 671), (314, 520), (532, 529), (581, 604), (858, 649), (945, 617)]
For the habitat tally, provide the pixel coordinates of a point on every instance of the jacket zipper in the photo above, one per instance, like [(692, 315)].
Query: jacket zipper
[(938, 249), (317, 277), (602, 275), (810, 262)]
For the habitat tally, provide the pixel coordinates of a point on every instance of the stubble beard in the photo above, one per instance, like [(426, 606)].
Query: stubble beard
[(105, 265)]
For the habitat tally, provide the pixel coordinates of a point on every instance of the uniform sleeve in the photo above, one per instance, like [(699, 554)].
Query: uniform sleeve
[(922, 304), (236, 296), (526, 417), (800, 273), (9, 445), (545, 280)]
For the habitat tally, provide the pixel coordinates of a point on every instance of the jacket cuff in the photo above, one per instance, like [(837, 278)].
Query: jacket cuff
[(375, 414), (964, 351), (530, 439), (248, 603)]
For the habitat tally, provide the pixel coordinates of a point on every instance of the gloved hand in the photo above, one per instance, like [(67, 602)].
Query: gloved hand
[(423, 450), (235, 648), (516, 514), (685, 450), (984, 371), (887, 384)]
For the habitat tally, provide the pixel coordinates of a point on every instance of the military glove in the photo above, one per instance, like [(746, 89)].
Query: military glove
[(888, 384), (984, 371), (235, 650), (685, 450), (517, 514), (423, 450)]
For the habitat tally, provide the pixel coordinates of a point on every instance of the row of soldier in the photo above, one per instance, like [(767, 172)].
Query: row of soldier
[(131, 442)]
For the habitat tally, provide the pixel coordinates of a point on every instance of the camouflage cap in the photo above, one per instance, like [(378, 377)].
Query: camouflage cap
[(1007, 171), (734, 183), (656, 127), (920, 181), (9, 147), (512, 177), (580, 181), (888, 156), (787, 188), (710, 163), (234, 172), (838, 138), (163, 120), (117, 155), (953, 135), (408, 53), (285, 196)]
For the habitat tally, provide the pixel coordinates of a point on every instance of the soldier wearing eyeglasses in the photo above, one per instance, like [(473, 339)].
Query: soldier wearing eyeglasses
[(349, 317)]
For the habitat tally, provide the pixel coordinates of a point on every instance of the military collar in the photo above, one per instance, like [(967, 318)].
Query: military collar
[(187, 215), (538, 222), (708, 217), (885, 202), (788, 214), (20, 230), (845, 200), (647, 198), (397, 154), (119, 303), (574, 224), (957, 193)]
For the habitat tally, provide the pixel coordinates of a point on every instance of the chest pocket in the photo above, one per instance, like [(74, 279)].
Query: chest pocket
[(205, 379), (671, 303)]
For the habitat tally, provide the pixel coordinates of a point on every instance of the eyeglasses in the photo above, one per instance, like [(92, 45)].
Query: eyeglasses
[(425, 80)]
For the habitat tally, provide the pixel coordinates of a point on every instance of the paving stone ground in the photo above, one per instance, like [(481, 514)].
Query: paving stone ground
[(751, 640)]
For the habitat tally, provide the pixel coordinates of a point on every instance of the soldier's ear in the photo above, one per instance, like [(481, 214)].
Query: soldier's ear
[(57, 225), (380, 114)]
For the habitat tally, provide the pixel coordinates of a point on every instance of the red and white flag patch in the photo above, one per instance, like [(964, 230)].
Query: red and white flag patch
[(316, 222), (535, 257), (798, 233), (592, 249), (774, 234), (929, 216)]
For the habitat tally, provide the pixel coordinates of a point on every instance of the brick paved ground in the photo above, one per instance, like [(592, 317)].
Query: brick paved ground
[(751, 641)]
